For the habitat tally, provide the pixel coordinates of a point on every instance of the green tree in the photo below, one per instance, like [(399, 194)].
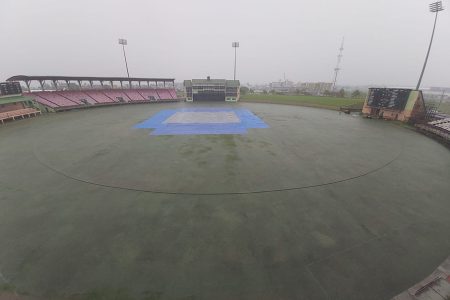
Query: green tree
[(341, 93), (356, 94), (244, 90)]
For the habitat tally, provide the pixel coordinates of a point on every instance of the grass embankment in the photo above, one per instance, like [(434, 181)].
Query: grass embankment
[(311, 101)]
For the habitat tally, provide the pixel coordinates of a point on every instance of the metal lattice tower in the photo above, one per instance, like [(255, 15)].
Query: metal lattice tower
[(338, 65)]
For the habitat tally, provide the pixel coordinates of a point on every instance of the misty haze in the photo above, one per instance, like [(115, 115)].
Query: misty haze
[(154, 150)]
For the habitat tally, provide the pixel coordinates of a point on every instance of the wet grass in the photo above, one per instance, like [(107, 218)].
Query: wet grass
[(7, 287), (445, 107), (311, 101)]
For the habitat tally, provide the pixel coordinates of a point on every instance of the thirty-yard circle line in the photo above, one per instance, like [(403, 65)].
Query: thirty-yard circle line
[(43, 163)]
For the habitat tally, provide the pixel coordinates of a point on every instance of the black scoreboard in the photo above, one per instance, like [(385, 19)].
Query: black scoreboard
[(10, 88), (388, 98)]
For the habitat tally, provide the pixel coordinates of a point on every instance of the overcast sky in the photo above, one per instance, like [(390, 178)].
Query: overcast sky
[(385, 40)]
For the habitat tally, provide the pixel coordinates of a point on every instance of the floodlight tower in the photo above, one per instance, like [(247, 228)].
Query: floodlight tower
[(235, 45), (338, 65), (124, 42), (435, 7)]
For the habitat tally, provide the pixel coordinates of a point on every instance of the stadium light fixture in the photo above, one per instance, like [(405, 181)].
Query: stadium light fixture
[(435, 8), (235, 45), (124, 42)]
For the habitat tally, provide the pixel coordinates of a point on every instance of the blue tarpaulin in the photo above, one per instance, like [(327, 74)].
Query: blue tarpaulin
[(158, 122)]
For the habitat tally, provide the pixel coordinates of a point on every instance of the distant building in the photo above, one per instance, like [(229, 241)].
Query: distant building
[(315, 88), (212, 90), (440, 89), (259, 91), (283, 87), (394, 104)]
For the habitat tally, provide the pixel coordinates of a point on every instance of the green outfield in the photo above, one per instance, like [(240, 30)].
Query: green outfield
[(310, 101)]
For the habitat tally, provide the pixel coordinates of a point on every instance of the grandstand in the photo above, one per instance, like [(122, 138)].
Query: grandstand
[(439, 129), (67, 96), (394, 104), (212, 90), (13, 105), (443, 124)]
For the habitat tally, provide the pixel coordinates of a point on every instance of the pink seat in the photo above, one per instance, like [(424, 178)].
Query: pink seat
[(55, 98), (134, 95), (59, 100), (149, 94), (164, 94), (99, 97), (117, 95), (173, 93), (78, 97), (45, 102)]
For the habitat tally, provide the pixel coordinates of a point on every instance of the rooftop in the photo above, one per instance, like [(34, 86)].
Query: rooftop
[(85, 78)]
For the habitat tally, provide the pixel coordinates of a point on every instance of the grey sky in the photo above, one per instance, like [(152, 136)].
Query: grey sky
[(386, 40)]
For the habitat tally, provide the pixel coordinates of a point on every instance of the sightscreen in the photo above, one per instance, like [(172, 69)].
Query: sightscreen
[(388, 98)]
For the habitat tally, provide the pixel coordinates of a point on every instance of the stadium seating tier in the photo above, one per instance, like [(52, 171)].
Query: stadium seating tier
[(62, 100)]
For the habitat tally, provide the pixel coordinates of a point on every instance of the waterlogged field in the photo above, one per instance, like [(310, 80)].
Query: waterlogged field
[(317, 205)]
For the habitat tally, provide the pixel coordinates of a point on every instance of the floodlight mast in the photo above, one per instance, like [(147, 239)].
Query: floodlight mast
[(124, 42), (435, 7), (235, 45)]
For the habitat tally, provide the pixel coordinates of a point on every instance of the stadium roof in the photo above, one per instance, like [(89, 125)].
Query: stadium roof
[(229, 83), (84, 78), (234, 83), (217, 81)]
